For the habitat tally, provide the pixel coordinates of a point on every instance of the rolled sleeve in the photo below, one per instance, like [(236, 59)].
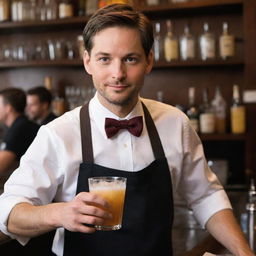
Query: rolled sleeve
[(7, 204), (209, 206), (32, 182)]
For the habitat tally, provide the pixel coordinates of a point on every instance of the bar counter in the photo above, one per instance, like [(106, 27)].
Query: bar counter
[(189, 239)]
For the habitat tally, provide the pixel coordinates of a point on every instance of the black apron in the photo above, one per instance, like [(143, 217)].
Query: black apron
[(148, 210)]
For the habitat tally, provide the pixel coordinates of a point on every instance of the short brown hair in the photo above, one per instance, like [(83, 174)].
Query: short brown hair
[(119, 15), (15, 97)]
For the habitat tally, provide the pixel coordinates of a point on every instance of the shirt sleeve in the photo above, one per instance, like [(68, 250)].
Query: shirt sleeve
[(35, 181), (198, 184)]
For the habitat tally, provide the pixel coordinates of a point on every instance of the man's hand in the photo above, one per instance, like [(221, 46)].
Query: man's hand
[(85, 209)]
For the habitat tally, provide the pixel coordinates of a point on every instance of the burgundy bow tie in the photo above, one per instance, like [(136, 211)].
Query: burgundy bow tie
[(134, 126)]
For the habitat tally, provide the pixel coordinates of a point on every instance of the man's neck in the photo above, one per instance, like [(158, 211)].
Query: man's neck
[(119, 110), (44, 115), (11, 118)]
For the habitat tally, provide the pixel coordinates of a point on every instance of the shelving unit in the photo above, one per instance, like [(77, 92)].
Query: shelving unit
[(172, 78)]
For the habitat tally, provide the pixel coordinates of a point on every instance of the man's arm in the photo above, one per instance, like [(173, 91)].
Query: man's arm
[(224, 227), (28, 220), (4, 238), (7, 161)]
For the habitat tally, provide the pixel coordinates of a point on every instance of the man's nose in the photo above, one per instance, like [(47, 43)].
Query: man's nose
[(118, 70)]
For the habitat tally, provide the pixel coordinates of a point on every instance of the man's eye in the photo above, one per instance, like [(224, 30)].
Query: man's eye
[(104, 59), (131, 60)]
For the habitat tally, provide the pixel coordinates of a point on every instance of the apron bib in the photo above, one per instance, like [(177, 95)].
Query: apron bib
[(148, 210)]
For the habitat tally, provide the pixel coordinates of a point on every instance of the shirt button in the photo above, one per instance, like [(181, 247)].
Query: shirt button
[(125, 145)]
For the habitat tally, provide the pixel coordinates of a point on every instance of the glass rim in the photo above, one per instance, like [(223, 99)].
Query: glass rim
[(107, 178)]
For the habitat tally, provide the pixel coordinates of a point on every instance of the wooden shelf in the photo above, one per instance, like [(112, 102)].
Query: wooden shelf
[(195, 5), (199, 63), (223, 137), (80, 21), (42, 63), (27, 26)]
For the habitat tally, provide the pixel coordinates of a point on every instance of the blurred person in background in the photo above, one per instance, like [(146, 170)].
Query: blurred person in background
[(19, 133), (38, 108)]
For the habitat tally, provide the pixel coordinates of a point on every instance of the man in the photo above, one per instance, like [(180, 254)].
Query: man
[(161, 154), (20, 131), (39, 101)]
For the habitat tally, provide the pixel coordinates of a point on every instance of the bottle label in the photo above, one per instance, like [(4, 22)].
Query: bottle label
[(187, 49), (207, 48), (207, 123), (238, 119), (227, 46), (66, 10), (171, 49)]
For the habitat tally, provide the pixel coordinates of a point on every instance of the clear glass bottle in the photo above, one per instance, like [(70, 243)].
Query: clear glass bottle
[(171, 51), (157, 42), (206, 117), (66, 9), (14, 10), (238, 118), (226, 43), (220, 110), (20, 13), (51, 9), (193, 111), (207, 44), (187, 45)]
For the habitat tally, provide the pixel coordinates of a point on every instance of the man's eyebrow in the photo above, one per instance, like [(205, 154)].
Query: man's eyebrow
[(102, 54)]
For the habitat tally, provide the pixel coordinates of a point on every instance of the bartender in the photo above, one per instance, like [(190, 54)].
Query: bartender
[(150, 143)]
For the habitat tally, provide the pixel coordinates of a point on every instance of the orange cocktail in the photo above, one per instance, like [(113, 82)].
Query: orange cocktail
[(112, 189)]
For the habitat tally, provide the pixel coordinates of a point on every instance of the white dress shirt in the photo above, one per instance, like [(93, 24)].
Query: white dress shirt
[(49, 169)]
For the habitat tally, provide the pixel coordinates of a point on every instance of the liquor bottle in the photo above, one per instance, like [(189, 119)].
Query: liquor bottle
[(237, 111), (220, 110), (90, 6), (207, 44), (192, 111), (157, 42), (51, 9), (153, 2), (170, 43), (81, 8), (14, 10), (58, 102), (252, 192), (4, 10), (66, 9), (187, 45), (206, 117), (227, 43)]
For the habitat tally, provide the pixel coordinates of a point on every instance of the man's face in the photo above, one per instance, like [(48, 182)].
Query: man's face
[(118, 65), (34, 108), (4, 108)]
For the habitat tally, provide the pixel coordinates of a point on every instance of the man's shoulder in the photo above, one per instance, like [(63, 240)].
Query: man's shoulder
[(23, 124), (66, 121), (159, 109)]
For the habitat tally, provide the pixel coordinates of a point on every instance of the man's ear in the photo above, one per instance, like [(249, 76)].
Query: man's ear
[(86, 60), (150, 61)]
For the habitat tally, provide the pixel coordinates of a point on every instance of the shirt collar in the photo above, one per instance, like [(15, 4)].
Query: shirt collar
[(98, 113)]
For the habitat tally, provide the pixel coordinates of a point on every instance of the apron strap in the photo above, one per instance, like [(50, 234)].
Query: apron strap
[(85, 126), (153, 134)]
